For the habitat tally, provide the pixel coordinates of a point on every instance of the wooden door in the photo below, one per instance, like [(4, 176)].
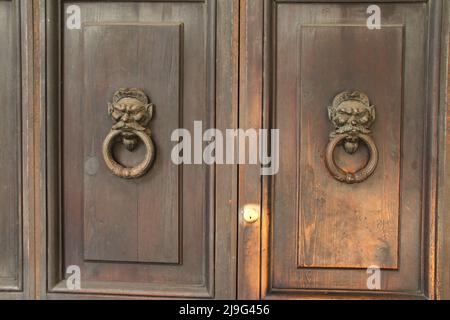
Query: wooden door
[(357, 109), (92, 205), (165, 231)]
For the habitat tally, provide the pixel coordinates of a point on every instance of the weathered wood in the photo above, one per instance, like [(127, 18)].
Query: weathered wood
[(154, 236), (61, 206), (443, 243), (333, 216), (17, 163), (126, 220), (250, 117), (227, 104), (318, 236), (10, 155)]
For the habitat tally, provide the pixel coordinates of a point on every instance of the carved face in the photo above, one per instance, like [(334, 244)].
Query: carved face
[(351, 114), (131, 113)]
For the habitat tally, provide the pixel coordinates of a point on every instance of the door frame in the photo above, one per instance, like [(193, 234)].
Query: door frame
[(443, 160)]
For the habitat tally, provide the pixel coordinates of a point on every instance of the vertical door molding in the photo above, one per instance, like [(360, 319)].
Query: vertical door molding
[(16, 194), (431, 157), (250, 117), (227, 117), (443, 192)]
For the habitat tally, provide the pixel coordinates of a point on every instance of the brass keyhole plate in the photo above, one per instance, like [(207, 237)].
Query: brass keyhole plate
[(251, 213)]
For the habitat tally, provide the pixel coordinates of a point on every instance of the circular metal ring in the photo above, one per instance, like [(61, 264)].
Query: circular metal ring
[(118, 169), (351, 177)]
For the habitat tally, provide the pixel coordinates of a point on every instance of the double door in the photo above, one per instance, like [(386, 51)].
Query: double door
[(351, 95)]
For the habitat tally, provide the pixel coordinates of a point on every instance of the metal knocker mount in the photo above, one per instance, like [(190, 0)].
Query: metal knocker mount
[(132, 112), (352, 116)]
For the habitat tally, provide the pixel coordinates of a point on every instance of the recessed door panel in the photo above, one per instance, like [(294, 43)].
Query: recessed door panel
[(343, 225), (135, 221)]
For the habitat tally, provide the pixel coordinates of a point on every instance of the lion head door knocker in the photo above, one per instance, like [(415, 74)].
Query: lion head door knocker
[(132, 112), (352, 116)]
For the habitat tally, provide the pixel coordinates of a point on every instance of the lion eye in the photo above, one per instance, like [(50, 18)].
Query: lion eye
[(135, 108), (116, 114), (341, 120), (120, 107), (138, 116), (364, 119)]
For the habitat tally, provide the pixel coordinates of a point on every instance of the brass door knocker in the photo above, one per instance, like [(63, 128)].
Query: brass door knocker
[(132, 111), (352, 116)]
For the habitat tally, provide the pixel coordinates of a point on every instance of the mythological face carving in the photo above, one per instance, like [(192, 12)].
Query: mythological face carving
[(351, 114), (132, 112)]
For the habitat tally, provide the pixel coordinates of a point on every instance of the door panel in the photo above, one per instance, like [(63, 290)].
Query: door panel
[(140, 228), (10, 155), (320, 233), (333, 217), (154, 235)]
